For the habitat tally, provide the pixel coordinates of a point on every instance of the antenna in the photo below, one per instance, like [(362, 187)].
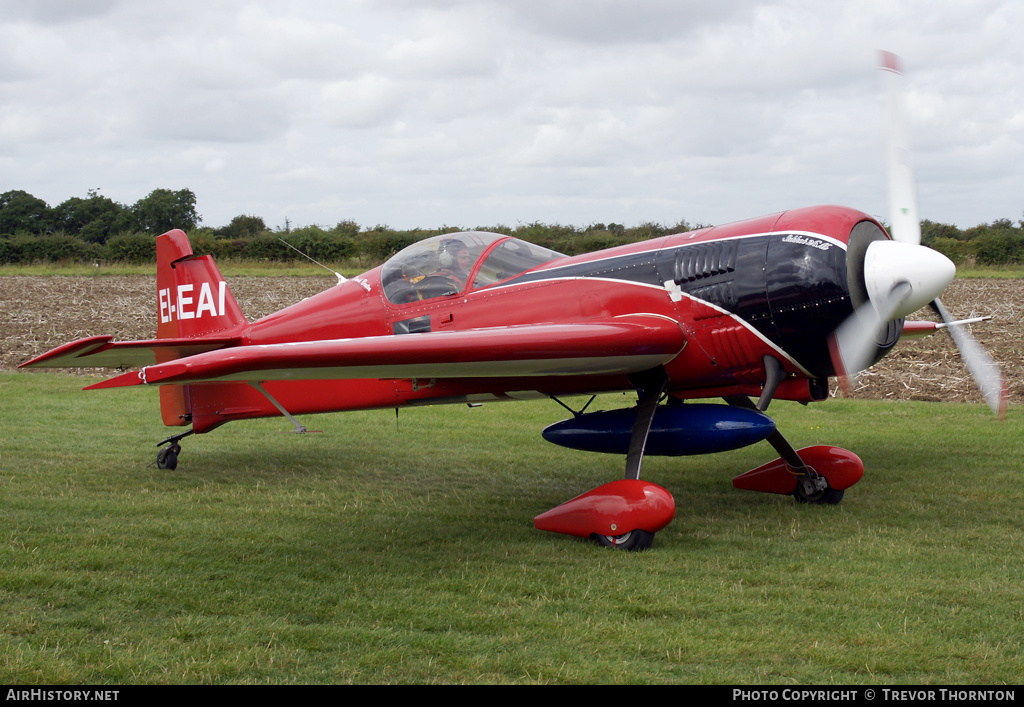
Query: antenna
[(341, 278)]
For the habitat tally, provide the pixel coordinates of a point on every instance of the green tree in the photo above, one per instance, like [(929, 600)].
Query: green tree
[(94, 219), (645, 231), (931, 231), (243, 226), (998, 243), (347, 228), (132, 248), (20, 212), (164, 210)]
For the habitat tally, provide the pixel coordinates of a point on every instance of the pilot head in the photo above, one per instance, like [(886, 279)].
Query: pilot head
[(454, 255)]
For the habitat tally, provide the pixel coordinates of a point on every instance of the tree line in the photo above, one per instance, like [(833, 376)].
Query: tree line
[(97, 228)]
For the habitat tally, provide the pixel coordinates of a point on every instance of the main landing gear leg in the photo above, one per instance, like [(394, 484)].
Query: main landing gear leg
[(167, 458), (651, 385), (623, 514)]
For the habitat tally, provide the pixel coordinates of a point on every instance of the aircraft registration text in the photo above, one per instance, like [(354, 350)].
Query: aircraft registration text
[(180, 302)]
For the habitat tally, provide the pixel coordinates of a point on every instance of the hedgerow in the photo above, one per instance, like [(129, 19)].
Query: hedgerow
[(96, 228)]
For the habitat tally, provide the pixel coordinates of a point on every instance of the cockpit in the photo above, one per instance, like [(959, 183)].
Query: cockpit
[(454, 262)]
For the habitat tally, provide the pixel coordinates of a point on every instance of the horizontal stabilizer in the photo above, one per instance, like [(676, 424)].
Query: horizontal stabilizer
[(104, 352)]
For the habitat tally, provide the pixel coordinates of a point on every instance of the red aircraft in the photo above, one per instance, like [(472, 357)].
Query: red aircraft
[(749, 312)]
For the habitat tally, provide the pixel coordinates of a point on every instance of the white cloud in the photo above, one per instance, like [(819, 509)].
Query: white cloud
[(473, 112)]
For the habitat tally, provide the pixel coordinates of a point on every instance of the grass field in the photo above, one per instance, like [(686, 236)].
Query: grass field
[(384, 551)]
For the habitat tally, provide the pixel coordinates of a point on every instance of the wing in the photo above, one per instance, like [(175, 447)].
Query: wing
[(619, 346)]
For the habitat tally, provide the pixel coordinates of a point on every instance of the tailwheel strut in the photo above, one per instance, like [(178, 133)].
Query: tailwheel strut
[(167, 458)]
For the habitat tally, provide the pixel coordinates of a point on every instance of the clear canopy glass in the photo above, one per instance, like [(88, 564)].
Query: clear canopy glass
[(445, 265)]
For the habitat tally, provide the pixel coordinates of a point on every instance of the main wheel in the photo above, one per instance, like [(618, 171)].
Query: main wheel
[(633, 541), (825, 496)]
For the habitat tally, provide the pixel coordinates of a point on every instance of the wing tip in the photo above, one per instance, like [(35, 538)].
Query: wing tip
[(71, 351)]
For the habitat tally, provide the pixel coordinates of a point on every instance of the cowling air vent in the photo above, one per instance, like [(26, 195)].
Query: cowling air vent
[(705, 260)]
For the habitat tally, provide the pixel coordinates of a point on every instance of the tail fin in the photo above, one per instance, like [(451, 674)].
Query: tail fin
[(194, 300)]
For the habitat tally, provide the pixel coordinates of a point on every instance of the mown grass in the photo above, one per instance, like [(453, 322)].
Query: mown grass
[(402, 551), (994, 272)]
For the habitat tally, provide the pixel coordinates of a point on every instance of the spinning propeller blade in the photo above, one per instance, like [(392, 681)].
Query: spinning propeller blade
[(901, 275), (904, 225), (983, 369), (854, 344)]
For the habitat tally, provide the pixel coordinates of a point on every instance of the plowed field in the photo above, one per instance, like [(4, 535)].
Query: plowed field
[(39, 313)]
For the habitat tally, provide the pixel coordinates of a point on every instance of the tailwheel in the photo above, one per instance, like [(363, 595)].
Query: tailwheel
[(167, 458), (814, 489), (632, 541)]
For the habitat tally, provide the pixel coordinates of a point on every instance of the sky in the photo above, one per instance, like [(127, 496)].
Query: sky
[(470, 113)]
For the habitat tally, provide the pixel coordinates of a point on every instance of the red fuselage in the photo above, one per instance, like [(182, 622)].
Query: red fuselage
[(773, 286)]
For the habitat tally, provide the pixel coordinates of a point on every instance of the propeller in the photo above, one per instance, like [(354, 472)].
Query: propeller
[(901, 275), (983, 369)]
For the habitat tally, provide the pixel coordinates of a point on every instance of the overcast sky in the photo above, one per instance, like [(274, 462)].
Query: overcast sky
[(478, 112)]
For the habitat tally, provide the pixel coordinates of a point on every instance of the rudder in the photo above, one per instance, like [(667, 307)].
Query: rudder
[(193, 299)]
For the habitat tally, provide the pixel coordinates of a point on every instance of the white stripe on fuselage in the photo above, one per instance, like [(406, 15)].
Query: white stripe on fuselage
[(808, 238)]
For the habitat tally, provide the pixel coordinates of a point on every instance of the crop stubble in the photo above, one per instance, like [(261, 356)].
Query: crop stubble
[(39, 313)]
